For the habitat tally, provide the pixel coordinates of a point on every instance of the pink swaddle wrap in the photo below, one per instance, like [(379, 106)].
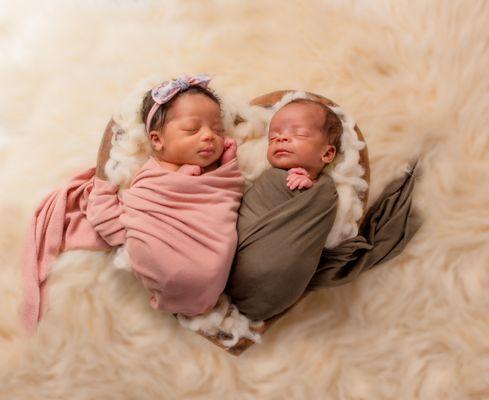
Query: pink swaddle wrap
[(179, 231)]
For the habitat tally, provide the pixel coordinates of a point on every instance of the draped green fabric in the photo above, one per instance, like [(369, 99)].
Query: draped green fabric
[(387, 228), (281, 236)]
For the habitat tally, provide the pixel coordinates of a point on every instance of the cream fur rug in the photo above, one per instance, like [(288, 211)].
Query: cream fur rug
[(414, 76)]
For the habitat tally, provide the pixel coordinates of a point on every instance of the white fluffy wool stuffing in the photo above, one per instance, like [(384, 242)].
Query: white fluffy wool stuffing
[(413, 75)]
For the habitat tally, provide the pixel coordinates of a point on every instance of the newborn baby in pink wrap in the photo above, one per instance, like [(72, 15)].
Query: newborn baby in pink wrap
[(177, 219)]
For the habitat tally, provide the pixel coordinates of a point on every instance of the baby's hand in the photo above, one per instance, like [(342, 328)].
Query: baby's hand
[(189, 169), (298, 178), (230, 149)]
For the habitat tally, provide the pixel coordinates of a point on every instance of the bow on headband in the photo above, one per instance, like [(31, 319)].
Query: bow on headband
[(167, 90)]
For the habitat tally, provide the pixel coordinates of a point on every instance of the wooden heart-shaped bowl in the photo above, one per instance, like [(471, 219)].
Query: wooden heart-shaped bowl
[(266, 101)]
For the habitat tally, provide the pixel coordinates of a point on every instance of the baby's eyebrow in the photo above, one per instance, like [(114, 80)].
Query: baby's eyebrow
[(298, 125), (288, 125), (189, 118)]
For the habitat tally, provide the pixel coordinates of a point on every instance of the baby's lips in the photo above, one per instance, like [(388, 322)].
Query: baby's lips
[(207, 151), (282, 151)]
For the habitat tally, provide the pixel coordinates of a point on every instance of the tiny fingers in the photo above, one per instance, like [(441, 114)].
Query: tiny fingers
[(298, 182), (305, 184), (293, 182), (290, 183)]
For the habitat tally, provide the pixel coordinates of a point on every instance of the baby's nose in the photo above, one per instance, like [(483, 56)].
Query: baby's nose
[(282, 139), (207, 134)]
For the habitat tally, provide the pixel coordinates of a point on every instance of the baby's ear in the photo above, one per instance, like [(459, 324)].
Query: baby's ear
[(156, 140), (328, 154)]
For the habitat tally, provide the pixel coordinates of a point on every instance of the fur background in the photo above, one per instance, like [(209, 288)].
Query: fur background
[(412, 73)]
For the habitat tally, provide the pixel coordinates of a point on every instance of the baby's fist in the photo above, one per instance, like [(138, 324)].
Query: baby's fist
[(230, 148), (298, 178), (189, 169)]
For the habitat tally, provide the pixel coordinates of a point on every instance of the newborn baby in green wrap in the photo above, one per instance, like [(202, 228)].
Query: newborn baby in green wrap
[(286, 215), (279, 246)]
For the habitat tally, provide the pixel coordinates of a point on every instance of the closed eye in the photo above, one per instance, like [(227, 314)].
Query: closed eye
[(301, 133), (192, 130), (272, 136)]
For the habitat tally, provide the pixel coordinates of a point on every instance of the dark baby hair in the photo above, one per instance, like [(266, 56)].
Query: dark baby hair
[(332, 126), (159, 117)]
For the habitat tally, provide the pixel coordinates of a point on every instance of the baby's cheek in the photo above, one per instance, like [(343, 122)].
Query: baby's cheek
[(220, 145), (307, 151), (270, 157)]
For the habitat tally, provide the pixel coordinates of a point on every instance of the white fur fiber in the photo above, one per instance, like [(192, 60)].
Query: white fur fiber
[(414, 76), (223, 318)]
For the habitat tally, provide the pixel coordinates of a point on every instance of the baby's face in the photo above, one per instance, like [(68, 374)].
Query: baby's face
[(296, 139), (193, 131)]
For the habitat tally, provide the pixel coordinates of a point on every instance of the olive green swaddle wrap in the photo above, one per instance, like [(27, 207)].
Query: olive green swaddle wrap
[(281, 233), (281, 236)]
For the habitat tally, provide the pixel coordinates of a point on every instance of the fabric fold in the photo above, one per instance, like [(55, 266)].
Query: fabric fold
[(103, 210), (59, 224), (387, 228)]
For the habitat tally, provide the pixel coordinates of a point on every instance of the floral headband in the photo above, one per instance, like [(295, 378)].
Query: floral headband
[(167, 90)]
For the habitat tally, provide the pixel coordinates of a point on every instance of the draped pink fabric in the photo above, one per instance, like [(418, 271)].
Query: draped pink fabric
[(58, 224), (179, 231)]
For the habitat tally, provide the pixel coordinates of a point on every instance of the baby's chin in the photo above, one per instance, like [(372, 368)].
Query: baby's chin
[(283, 163), (204, 161)]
